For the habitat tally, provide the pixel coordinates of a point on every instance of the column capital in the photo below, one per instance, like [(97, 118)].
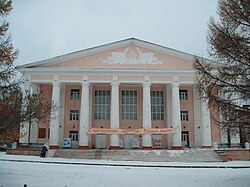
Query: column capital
[(85, 83), (175, 84), (28, 83), (56, 83), (146, 84), (115, 83)]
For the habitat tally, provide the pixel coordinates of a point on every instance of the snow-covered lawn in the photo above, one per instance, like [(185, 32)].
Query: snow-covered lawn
[(14, 174)]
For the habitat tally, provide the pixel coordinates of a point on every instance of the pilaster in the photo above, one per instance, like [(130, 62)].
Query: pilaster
[(206, 125)]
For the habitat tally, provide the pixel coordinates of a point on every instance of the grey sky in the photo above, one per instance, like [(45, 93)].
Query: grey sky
[(43, 29)]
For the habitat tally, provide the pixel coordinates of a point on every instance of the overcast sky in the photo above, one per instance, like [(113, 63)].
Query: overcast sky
[(43, 29)]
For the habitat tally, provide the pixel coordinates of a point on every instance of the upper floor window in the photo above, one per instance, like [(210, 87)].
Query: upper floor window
[(129, 105), (75, 94), (157, 105), (102, 104), (74, 115), (184, 115), (183, 94)]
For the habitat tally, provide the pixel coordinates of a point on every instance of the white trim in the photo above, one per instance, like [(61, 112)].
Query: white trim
[(110, 72), (110, 46)]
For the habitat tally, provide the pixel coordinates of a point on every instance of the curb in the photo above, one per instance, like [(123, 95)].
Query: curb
[(123, 165)]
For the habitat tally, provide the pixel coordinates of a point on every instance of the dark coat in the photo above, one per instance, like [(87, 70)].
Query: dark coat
[(43, 151)]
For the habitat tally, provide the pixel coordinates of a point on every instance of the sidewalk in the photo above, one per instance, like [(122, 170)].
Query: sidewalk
[(49, 160)]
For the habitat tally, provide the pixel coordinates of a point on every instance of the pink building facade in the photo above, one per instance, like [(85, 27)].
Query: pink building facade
[(131, 86)]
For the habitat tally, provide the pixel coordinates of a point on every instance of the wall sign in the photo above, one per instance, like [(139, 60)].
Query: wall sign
[(131, 131)]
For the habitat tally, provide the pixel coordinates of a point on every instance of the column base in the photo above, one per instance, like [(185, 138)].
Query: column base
[(147, 148), (177, 148), (114, 147), (84, 147), (54, 147), (206, 147)]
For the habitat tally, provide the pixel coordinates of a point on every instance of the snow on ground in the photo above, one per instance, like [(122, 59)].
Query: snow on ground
[(13, 174)]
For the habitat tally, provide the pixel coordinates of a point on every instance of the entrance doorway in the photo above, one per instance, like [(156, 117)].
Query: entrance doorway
[(101, 141), (185, 139), (128, 141)]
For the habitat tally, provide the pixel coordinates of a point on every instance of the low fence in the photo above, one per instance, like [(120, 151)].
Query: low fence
[(234, 154), (22, 151)]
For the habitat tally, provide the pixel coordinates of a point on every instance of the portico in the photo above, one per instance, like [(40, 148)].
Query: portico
[(126, 85)]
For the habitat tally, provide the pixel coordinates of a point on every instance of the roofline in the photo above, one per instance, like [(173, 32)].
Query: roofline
[(81, 53)]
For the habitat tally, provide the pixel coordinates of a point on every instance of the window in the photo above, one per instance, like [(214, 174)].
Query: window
[(75, 94), (129, 105), (157, 105), (183, 94), (42, 133), (184, 115), (73, 135), (102, 104), (74, 115), (184, 136)]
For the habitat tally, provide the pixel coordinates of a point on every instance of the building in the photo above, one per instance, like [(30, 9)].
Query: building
[(125, 94)]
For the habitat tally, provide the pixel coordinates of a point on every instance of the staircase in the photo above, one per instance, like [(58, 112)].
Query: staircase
[(222, 154), (187, 155)]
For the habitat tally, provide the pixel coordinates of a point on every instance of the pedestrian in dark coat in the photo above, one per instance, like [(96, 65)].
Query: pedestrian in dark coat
[(44, 151)]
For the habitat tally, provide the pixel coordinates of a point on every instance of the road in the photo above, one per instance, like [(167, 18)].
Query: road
[(14, 174)]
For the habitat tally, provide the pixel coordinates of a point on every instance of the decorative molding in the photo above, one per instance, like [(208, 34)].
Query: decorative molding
[(132, 55)]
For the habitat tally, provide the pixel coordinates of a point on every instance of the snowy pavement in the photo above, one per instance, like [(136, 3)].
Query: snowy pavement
[(16, 170), (22, 158)]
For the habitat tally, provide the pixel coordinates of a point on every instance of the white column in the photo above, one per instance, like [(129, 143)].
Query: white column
[(114, 116), (54, 119), (206, 125), (24, 127), (169, 114), (146, 121), (34, 123), (84, 117), (176, 120)]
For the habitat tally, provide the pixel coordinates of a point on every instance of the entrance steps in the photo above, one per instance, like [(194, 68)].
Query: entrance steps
[(186, 155)]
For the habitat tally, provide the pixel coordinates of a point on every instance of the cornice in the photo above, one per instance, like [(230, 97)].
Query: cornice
[(100, 71)]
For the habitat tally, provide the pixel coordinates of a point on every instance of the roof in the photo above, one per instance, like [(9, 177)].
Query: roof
[(110, 46)]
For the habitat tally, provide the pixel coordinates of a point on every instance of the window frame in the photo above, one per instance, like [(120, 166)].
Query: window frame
[(73, 135), (75, 94), (157, 105), (74, 115), (183, 95), (102, 104), (129, 104), (184, 115)]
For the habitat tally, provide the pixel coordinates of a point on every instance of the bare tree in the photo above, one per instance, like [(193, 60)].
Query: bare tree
[(16, 107), (226, 81), (8, 83)]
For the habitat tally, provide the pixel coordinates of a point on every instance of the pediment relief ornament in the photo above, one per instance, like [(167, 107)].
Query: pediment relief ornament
[(132, 55)]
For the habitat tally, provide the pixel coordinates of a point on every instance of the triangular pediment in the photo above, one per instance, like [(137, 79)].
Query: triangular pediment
[(130, 53)]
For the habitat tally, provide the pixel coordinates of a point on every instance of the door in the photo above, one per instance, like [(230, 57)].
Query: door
[(128, 141), (101, 141), (185, 138)]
